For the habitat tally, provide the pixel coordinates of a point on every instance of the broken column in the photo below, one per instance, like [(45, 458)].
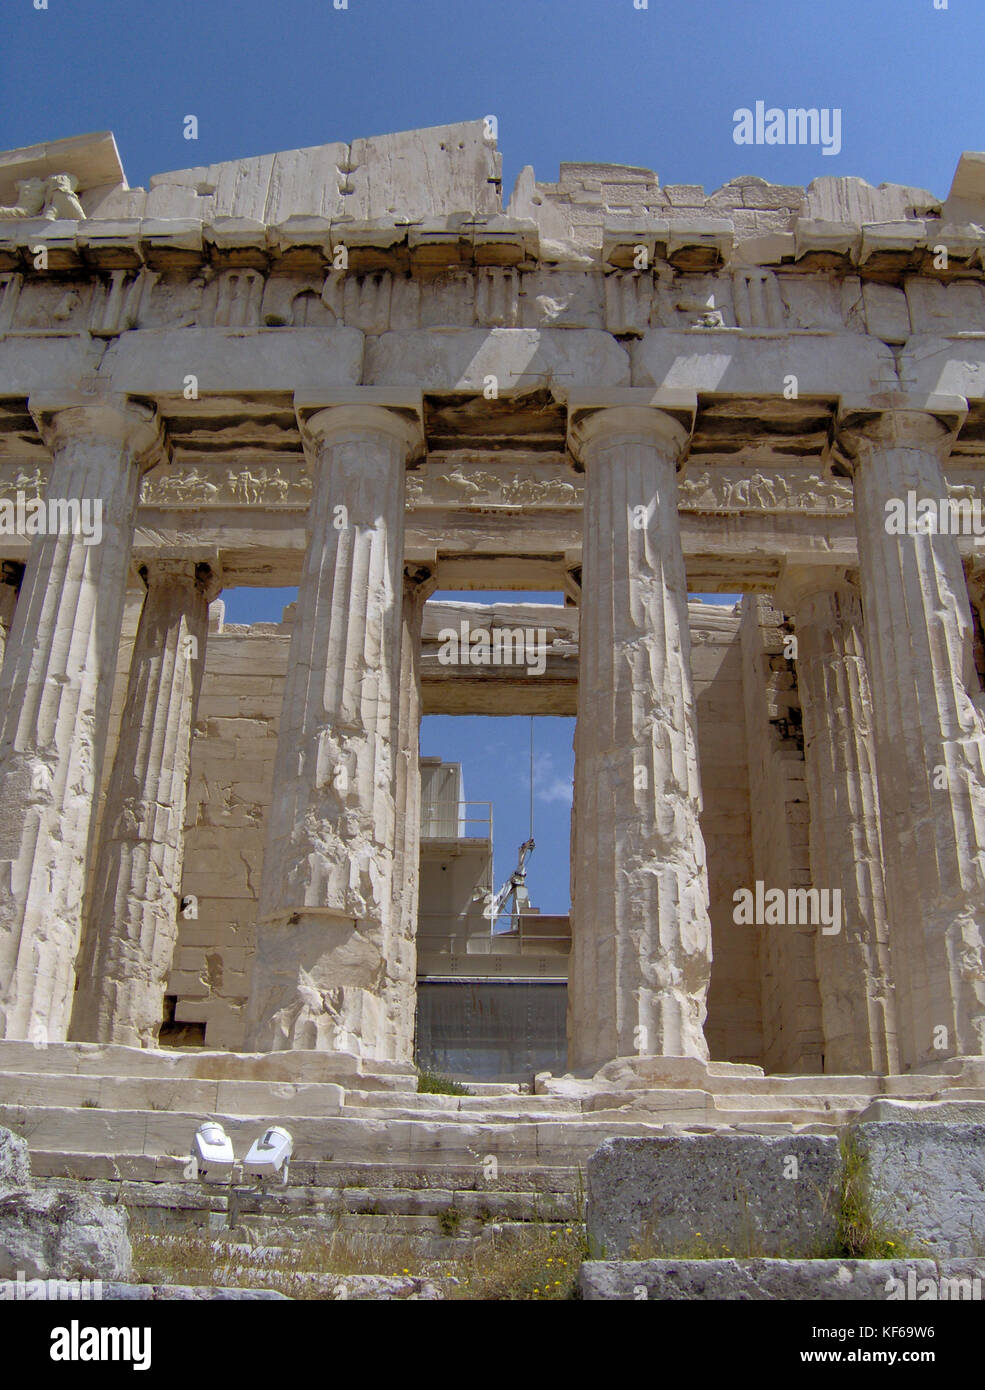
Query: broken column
[(929, 726), (641, 936), (327, 894), (401, 949), (133, 917), (853, 962), (55, 692)]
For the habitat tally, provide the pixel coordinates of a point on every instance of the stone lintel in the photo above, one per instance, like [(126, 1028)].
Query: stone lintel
[(533, 573), (250, 365), (267, 548), (505, 688)]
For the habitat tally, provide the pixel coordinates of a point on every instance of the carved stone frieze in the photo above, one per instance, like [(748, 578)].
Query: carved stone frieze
[(25, 478), (454, 483), (52, 198), (764, 489), (251, 485), (446, 482)]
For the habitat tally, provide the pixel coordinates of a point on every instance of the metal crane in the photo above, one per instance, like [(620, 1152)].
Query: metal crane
[(515, 887)]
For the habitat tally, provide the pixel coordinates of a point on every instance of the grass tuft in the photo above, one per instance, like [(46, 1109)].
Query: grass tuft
[(432, 1083), (862, 1232)]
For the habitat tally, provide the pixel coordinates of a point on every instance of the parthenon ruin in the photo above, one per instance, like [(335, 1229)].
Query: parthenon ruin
[(349, 369)]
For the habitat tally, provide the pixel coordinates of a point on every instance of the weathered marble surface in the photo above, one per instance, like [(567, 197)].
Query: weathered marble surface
[(326, 901), (641, 938), (48, 1233), (927, 1179), (929, 725), (746, 1194), (55, 693), (827, 1281), (133, 925), (854, 970)]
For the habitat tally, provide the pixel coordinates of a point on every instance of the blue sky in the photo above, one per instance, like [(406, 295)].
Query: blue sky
[(566, 80)]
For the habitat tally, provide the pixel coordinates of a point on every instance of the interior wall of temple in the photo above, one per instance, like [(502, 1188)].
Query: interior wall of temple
[(229, 793), (780, 813), (734, 1025), (763, 1004)]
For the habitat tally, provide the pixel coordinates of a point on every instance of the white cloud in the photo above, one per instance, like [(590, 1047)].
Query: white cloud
[(557, 789)]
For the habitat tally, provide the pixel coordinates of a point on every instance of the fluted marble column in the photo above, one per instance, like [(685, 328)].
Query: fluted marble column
[(930, 732), (133, 916), (319, 977), (401, 949), (11, 575), (641, 936), (853, 965), (55, 692)]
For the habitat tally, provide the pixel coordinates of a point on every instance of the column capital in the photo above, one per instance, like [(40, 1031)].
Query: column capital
[(205, 576), (799, 582), (422, 578), (663, 417), (897, 420), (64, 417), (363, 410)]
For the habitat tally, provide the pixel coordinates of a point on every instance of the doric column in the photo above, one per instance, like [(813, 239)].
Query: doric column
[(11, 575), (55, 692), (853, 963), (930, 733), (401, 949), (641, 937), (133, 915), (326, 897)]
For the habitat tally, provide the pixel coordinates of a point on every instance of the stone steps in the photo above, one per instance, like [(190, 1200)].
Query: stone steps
[(420, 1203), (312, 1100), (391, 1216), (384, 1176), (390, 1248), (511, 1103), (790, 1102), (377, 1177), (299, 1104), (113, 1060), (486, 1114), (399, 1135), (343, 1139), (832, 1085), (724, 1078), (264, 1099), (93, 1112)]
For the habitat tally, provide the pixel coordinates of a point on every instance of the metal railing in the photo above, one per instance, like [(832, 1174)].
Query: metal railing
[(470, 935), (454, 820)]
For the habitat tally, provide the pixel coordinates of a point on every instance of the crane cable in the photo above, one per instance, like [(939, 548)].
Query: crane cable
[(531, 835)]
